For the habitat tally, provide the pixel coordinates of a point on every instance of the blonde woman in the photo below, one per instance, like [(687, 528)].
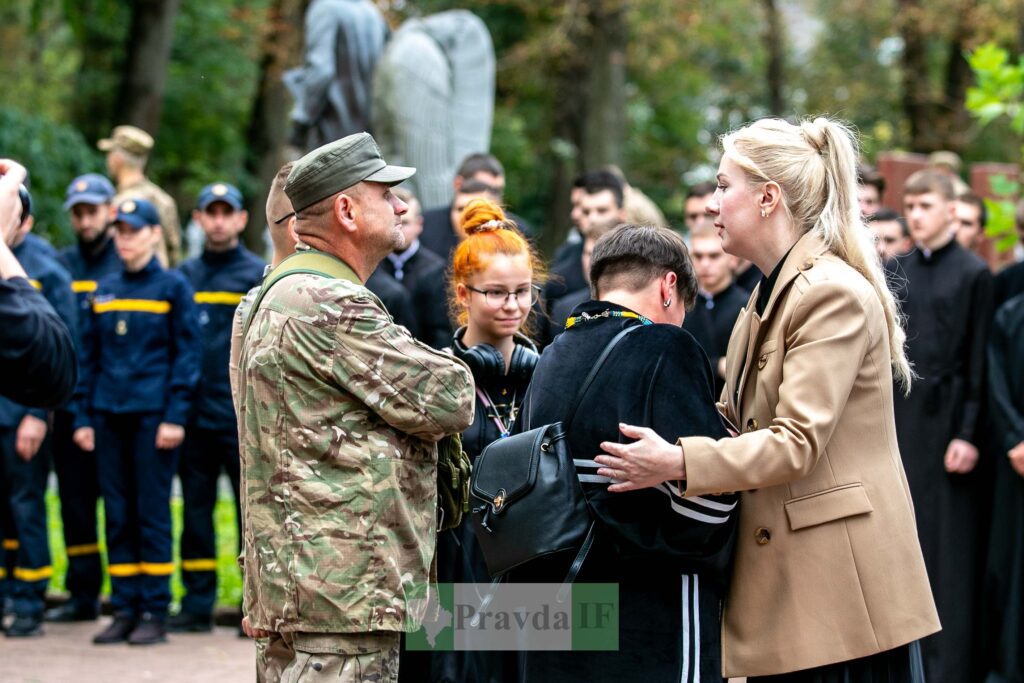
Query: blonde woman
[(829, 583)]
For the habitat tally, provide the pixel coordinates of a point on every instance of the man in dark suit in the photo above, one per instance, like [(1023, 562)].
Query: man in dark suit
[(479, 175), (602, 200), (423, 274)]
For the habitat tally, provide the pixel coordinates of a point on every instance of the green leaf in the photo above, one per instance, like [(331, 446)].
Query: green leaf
[(1004, 186)]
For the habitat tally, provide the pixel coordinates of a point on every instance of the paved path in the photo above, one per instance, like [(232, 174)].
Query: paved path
[(66, 655)]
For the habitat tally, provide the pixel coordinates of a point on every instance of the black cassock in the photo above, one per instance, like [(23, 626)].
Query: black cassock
[(711, 322), (947, 298), (1003, 606)]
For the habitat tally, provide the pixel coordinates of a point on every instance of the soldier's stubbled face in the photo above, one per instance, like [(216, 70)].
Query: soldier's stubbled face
[(379, 217)]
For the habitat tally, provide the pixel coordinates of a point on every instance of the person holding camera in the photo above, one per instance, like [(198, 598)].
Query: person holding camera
[(38, 365), (24, 433)]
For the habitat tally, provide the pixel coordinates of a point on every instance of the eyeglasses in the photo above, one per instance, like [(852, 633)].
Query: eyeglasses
[(496, 298)]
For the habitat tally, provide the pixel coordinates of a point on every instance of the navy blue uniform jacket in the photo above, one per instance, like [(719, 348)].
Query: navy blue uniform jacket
[(140, 348), (86, 268), (46, 275), (220, 280)]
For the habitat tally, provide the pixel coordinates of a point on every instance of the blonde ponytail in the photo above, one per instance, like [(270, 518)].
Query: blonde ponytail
[(815, 164)]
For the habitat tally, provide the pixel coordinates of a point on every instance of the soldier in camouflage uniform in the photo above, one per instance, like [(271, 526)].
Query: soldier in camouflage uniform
[(339, 414), (128, 151)]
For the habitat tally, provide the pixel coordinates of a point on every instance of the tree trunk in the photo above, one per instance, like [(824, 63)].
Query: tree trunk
[(775, 41), (149, 50), (570, 68), (604, 122), (936, 113), (268, 127)]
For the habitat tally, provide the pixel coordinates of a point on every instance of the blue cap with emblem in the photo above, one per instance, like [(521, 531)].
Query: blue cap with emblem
[(91, 188), (137, 213), (220, 192)]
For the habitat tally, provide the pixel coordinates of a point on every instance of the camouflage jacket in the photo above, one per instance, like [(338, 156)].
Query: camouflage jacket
[(339, 413)]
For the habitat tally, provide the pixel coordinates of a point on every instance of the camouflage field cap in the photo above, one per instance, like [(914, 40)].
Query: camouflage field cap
[(129, 138), (339, 165)]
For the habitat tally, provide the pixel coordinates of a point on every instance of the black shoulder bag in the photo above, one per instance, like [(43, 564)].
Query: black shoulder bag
[(527, 499)]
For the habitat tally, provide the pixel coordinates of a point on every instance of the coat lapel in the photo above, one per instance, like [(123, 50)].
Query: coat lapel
[(800, 258)]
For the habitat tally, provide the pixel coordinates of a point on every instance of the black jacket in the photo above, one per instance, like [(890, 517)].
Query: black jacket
[(396, 300), (670, 556), (711, 322), (425, 276), (38, 364)]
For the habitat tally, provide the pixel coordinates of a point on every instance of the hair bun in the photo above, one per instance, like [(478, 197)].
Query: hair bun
[(483, 215), (815, 134)]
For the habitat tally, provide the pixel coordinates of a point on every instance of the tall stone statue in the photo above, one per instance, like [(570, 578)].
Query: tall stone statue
[(343, 41), (434, 99)]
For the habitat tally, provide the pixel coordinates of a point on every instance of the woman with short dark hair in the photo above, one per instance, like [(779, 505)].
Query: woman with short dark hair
[(668, 555)]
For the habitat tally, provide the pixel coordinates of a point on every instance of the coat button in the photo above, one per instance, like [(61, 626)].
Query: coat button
[(318, 666), (762, 361), (807, 264), (751, 425), (762, 535)]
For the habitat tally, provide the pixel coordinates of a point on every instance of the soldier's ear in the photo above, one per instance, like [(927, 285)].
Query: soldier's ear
[(345, 212)]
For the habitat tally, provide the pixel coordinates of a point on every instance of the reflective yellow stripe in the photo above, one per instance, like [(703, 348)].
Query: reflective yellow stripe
[(22, 574), (122, 570), (82, 286), (157, 568), (227, 298), (203, 565), (36, 283), (3, 573), (140, 305), (10, 544), (87, 549)]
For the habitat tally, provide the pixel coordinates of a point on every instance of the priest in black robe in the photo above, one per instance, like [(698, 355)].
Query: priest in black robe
[(946, 293), (1002, 611)]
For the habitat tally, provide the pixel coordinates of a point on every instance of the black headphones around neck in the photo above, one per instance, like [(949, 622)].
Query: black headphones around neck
[(488, 365)]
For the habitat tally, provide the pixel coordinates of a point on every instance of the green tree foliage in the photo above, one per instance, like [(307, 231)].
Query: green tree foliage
[(694, 70), (999, 94), (54, 153), (210, 89)]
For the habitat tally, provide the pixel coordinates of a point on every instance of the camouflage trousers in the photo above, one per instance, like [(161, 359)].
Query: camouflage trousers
[(338, 657)]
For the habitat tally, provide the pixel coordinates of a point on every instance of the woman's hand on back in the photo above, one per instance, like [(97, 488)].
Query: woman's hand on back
[(646, 462)]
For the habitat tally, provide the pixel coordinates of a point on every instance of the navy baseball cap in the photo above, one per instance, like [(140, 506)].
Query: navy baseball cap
[(91, 188), (137, 213), (220, 192)]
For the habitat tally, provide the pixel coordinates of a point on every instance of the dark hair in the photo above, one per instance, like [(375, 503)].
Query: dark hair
[(476, 187), (633, 255), (701, 190), (867, 175), (929, 180), (480, 162), (886, 215), (599, 181), (975, 200)]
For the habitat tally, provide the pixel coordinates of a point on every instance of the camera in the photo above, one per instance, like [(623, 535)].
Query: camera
[(26, 203)]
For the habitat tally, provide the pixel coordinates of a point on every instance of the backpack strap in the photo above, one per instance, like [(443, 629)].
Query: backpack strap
[(306, 261)]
